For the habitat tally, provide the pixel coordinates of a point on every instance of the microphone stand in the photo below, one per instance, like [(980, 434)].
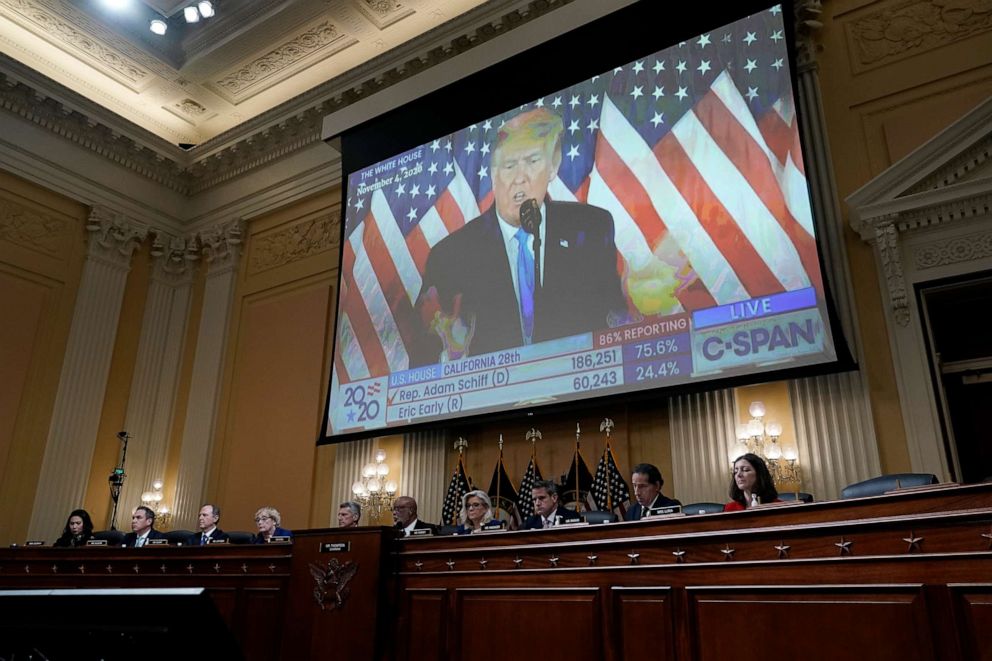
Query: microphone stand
[(116, 478)]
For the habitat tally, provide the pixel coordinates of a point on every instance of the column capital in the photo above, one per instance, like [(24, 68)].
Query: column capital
[(112, 236), (221, 245), (173, 257), (807, 16)]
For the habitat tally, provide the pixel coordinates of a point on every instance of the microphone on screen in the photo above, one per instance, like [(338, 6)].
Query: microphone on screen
[(530, 217)]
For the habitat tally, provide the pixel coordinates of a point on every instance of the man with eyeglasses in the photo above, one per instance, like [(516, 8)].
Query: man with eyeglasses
[(405, 516)]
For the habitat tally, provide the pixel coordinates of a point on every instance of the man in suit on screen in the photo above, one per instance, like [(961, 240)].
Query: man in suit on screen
[(480, 292)]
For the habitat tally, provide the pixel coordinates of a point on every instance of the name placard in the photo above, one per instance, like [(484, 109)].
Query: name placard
[(211, 542), (492, 526), (280, 539), (34, 542), (655, 512), (95, 542), (421, 532), (335, 547), (156, 542), (567, 521)]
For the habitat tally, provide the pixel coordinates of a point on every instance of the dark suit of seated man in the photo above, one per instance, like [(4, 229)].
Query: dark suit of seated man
[(142, 528), (547, 512), (479, 282), (647, 482), (405, 516), (209, 532)]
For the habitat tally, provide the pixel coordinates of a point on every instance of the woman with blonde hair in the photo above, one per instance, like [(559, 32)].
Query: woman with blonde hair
[(268, 519), (477, 511)]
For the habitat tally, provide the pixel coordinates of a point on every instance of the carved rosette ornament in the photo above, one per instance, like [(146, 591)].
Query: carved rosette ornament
[(887, 244), (330, 589), (113, 238)]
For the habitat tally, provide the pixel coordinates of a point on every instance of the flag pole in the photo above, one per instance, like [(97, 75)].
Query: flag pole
[(499, 475), (607, 426), (575, 460), (460, 445)]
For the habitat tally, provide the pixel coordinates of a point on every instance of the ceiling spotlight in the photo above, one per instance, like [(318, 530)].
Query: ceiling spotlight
[(191, 15), (206, 8), (116, 4), (158, 26)]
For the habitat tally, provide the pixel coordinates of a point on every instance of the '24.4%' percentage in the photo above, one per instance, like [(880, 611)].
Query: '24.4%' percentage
[(657, 370)]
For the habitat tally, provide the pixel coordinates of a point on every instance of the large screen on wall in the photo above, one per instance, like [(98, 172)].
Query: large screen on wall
[(646, 227)]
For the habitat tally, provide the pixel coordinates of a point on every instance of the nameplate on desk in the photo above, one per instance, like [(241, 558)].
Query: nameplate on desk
[(280, 539), (156, 542), (335, 547), (421, 532), (562, 521), (571, 523), (493, 526), (211, 542), (655, 512), (94, 542), (34, 542)]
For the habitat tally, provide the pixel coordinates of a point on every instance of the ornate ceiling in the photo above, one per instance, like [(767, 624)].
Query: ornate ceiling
[(200, 81)]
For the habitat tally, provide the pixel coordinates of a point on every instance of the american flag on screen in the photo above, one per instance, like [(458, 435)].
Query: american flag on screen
[(694, 150)]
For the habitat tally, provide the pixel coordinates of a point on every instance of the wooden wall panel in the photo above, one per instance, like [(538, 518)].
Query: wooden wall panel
[(642, 619), (424, 627), (260, 635), (810, 622), (974, 618), (522, 623)]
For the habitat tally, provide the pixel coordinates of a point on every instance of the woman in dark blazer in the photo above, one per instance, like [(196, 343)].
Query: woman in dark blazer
[(78, 530), (268, 519)]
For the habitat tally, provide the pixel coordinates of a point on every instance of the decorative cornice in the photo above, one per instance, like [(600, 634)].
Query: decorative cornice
[(278, 133), (383, 13), (29, 229), (912, 27), (113, 237), (293, 243), (962, 168), (51, 114), (960, 249)]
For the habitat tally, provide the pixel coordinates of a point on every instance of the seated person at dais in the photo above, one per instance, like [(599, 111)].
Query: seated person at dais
[(207, 521), (405, 516), (751, 484), (78, 530), (349, 514), (268, 519), (547, 512), (646, 481), (142, 528), (477, 512)]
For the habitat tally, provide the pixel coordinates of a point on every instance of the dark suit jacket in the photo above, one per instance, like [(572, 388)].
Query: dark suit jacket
[(217, 534), (581, 285), (278, 532), (534, 522), (130, 538), (419, 525), (661, 500)]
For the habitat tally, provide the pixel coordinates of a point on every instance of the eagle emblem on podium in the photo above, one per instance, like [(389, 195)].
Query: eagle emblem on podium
[(331, 584)]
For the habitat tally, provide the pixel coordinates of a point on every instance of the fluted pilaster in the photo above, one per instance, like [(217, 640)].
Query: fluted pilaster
[(221, 246), (152, 398), (79, 402), (702, 428), (424, 474)]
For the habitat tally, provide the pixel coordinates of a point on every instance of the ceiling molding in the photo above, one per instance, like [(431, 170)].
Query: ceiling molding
[(273, 135)]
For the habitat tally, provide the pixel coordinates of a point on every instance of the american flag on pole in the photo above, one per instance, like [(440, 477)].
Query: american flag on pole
[(694, 150), (457, 487), (576, 485), (504, 495), (609, 490), (525, 502)]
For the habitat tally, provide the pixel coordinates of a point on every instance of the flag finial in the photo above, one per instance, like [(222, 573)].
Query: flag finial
[(461, 444), (607, 426), (534, 435), (501, 442)]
